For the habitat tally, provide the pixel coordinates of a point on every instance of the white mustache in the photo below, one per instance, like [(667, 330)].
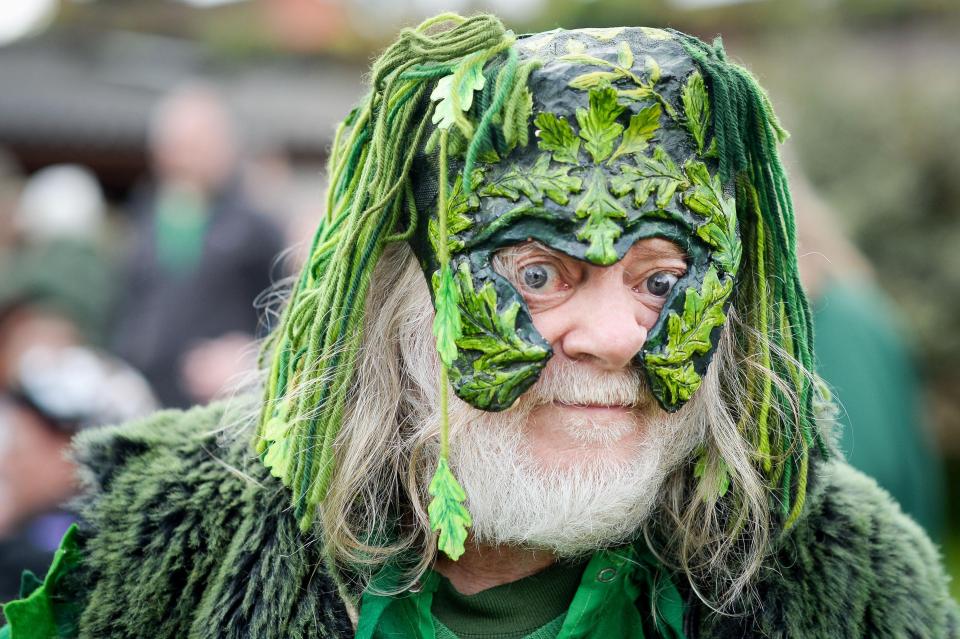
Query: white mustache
[(567, 382)]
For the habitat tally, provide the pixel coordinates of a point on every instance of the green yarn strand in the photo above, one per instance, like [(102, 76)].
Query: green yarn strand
[(370, 204), (746, 134)]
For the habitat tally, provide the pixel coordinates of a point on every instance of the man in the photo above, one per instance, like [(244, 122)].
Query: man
[(200, 256), (634, 440)]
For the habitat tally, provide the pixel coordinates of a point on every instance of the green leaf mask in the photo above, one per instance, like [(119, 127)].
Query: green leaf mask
[(619, 148)]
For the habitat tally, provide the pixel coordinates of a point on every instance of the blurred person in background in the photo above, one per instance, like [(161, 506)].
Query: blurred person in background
[(54, 379), (863, 355), (200, 256)]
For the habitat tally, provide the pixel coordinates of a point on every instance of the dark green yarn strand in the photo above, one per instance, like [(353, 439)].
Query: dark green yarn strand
[(746, 134), (482, 135), (370, 204)]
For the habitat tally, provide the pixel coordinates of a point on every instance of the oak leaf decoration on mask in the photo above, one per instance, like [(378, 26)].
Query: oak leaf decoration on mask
[(688, 334), (706, 198), (505, 361)]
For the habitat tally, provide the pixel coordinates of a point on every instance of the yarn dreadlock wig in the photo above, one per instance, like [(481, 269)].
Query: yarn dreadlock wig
[(472, 139)]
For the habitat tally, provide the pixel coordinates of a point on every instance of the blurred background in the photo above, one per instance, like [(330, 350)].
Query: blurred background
[(161, 162)]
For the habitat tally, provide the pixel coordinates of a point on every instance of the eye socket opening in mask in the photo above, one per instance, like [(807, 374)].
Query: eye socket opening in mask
[(546, 277)]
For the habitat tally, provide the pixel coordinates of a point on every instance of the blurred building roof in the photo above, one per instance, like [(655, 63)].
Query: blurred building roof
[(88, 97)]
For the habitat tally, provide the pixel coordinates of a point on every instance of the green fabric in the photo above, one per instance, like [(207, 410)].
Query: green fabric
[(547, 631), (47, 609), (180, 224), (508, 611), (622, 593), (178, 542), (862, 355)]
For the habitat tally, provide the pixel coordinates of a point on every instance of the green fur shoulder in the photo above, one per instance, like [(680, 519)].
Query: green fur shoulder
[(853, 566), (186, 534)]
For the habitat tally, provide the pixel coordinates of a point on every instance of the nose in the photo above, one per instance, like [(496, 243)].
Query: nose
[(605, 327)]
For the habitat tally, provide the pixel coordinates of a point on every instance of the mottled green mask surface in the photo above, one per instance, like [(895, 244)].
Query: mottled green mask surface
[(619, 148)]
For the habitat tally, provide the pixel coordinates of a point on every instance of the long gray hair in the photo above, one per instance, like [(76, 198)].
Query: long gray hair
[(718, 541)]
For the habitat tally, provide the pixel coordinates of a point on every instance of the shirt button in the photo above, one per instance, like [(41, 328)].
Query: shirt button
[(606, 575)]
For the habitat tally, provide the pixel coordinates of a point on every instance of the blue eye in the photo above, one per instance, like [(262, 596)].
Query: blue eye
[(661, 283)]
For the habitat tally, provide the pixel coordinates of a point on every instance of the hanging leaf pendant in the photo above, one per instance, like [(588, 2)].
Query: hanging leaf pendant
[(447, 513)]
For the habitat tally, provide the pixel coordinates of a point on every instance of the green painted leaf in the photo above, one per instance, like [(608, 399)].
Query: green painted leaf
[(674, 384), (624, 54), (459, 203), (598, 124), (689, 334), (719, 473), (535, 182), (600, 210), (653, 69), (719, 230), (455, 91), (658, 174), (279, 435), (503, 360), (278, 457), (603, 33), (575, 47), (446, 323), (656, 34), (447, 513), (638, 93), (696, 107), (641, 129), (594, 79), (556, 135)]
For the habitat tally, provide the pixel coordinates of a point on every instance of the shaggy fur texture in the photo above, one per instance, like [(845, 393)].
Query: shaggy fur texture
[(177, 544)]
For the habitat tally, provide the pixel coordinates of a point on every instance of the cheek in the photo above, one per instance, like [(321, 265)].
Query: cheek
[(554, 322), (648, 316)]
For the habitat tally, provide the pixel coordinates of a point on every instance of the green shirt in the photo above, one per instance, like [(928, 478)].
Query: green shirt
[(620, 593)]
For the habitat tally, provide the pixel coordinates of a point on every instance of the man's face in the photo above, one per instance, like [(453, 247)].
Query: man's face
[(578, 461), (596, 319)]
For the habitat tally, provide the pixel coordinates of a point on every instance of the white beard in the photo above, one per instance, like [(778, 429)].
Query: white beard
[(597, 502)]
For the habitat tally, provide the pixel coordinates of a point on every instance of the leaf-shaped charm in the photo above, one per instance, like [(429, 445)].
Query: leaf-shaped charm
[(446, 323), (456, 91), (556, 135), (641, 129), (447, 513), (719, 473), (598, 124), (279, 454), (696, 108), (600, 210), (536, 183), (719, 230), (658, 174)]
